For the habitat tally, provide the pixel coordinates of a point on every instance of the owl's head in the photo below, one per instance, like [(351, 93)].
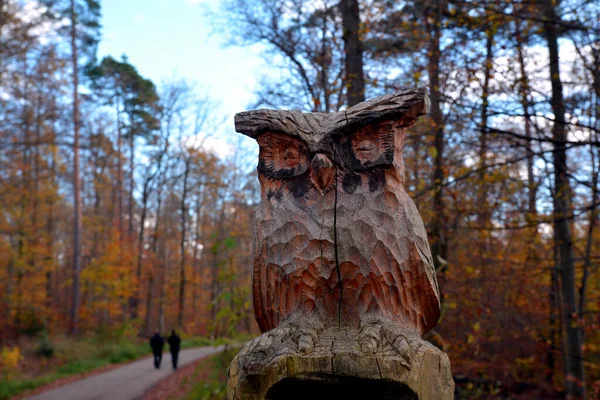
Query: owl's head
[(304, 151)]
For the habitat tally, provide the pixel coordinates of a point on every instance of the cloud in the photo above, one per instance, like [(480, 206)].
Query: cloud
[(218, 146), (140, 18)]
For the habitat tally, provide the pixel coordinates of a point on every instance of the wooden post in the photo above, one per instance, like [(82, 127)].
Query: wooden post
[(344, 284)]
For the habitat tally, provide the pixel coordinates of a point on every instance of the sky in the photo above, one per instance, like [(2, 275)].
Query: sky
[(173, 38)]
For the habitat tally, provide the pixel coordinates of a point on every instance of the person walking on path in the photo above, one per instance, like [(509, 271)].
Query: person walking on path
[(157, 343), (174, 345)]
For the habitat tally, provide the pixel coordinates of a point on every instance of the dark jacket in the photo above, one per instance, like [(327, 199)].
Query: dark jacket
[(157, 343), (174, 343)]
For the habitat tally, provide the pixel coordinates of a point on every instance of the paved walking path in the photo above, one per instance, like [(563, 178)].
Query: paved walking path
[(126, 383)]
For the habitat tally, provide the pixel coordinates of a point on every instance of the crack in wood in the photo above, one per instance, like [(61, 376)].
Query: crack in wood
[(378, 368), (335, 243), (335, 248)]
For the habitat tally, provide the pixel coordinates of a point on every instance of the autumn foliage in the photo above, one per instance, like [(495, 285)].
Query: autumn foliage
[(165, 236), (505, 172)]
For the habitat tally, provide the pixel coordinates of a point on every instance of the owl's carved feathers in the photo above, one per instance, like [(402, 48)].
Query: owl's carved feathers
[(336, 235), (404, 106)]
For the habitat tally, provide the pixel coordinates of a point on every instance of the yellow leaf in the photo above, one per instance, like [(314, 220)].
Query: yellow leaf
[(432, 152)]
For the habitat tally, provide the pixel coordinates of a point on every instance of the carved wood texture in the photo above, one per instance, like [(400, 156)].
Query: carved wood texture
[(336, 234), (339, 246)]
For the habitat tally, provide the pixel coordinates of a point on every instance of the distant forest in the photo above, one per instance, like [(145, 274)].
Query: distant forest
[(112, 210)]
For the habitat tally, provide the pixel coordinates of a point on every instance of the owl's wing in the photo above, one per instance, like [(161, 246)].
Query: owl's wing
[(425, 291), (259, 280)]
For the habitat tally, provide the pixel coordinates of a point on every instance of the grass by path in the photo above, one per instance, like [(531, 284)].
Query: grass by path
[(204, 379), (214, 387), (46, 361)]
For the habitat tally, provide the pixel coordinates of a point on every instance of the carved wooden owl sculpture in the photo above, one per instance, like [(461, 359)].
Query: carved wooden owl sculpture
[(337, 238)]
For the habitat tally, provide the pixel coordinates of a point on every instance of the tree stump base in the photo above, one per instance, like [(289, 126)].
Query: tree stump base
[(374, 361)]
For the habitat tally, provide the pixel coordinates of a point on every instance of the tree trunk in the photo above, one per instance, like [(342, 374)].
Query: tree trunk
[(575, 380), (119, 171), (131, 183), (2, 23), (532, 256), (593, 217), (9, 286), (163, 283), (182, 246), (24, 230), (595, 163), (353, 49), (438, 224), (525, 103), (197, 240), (50, 235), (140, 251), (76, 179), (324, 63), (162, 278), (483, 206), (148, 321), (215, 283)]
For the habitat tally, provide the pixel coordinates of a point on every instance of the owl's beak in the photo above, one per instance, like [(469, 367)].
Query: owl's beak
[(322, 172)]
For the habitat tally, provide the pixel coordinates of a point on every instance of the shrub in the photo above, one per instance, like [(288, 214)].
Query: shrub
[(9, 361), (31, 323), (45, 348)]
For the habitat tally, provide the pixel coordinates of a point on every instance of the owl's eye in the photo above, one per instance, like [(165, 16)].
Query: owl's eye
[(371, 146), (366, 146), (281, 156), (291, 157), (366, 151)]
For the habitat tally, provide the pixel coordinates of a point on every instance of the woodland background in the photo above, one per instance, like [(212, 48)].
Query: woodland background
[(112, 210)]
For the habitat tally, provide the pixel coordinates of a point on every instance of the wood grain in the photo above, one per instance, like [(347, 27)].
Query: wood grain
[(344, 284)]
